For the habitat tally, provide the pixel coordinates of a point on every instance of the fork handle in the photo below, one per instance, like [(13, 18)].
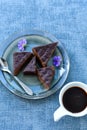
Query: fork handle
[(25, 87)]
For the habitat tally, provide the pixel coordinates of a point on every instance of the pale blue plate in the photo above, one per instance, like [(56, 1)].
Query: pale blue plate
[(34, 38)]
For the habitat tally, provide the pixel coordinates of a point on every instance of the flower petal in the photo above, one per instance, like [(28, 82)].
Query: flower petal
[(21, 44), (57, 61)]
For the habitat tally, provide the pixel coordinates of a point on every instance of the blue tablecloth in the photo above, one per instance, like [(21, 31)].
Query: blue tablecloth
[(65, 19)]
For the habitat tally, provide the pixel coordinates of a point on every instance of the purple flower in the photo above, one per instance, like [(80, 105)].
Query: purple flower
[(57, 61), (21, 44)]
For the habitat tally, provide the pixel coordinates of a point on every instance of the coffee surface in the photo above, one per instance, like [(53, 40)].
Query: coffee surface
[(75, 99)]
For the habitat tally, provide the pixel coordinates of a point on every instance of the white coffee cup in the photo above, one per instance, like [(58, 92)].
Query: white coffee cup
[(62, 111)]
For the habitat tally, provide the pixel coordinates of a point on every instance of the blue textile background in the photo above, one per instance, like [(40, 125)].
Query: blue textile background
[(65, 19)]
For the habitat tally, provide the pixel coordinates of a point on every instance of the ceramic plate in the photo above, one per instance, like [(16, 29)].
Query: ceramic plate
[(34, 38)]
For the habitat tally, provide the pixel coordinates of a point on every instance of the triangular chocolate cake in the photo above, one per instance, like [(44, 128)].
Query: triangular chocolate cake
[(31, 67), (46, 75), (43, 53), (20, 59)]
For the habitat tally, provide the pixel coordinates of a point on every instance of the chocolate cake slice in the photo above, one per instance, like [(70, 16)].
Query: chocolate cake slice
[(31, 67), (46, 75), (43, 53), (20, 59)]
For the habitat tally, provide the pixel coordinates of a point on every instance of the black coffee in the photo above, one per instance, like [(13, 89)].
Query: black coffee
[(75, 99)]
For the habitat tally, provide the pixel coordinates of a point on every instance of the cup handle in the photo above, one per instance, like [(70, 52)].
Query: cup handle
[(59, 113)]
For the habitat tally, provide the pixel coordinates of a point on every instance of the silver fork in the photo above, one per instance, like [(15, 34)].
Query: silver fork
[(4, 67)]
